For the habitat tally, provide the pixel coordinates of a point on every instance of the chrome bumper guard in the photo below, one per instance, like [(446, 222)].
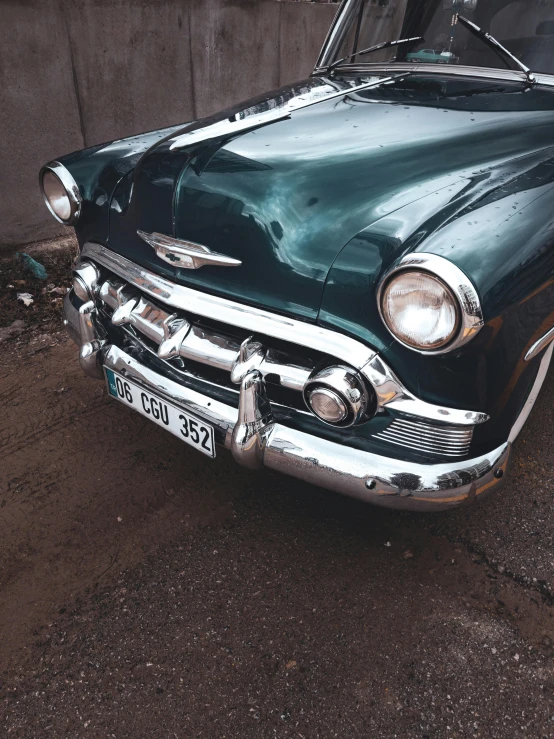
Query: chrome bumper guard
[(256, 440)]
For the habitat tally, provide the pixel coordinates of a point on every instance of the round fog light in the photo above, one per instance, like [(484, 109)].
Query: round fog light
[(80, 289), (327, 405), (338, 395), (85, 280)]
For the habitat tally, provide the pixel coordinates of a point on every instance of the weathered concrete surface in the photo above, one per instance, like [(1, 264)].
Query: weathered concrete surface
[(39, 115), (303, 30), (148, 591), (238, 43), (132, 63), (75, 73)]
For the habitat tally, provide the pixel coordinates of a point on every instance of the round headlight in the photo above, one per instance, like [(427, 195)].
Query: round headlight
[(61, 193), (420, 310), (56, 196)]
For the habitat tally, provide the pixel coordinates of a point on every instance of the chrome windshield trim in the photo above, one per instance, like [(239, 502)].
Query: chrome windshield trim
[(331, 33), (508, 75), (240, 315)]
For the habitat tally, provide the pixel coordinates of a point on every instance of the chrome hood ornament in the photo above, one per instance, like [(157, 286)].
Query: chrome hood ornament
[(186, 254)]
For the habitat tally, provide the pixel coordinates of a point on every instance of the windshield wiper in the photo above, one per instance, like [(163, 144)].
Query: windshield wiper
[(531, 79), (384, 45)]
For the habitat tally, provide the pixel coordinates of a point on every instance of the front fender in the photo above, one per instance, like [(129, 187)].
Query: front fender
[(502, 237), (97, 171)]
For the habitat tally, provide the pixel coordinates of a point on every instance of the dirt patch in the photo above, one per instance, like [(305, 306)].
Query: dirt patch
[(149, 592), (86, 487), (296, 615), (57, 256)]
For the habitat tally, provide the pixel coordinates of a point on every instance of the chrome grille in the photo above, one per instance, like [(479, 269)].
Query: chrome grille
[(177, 336), (450, 441), (207, 336)]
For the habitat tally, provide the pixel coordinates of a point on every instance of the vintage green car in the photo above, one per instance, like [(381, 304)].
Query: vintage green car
[(430, 56), (349, 279)]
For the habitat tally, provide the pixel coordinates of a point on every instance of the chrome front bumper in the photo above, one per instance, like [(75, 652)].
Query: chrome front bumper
[(255, 439)]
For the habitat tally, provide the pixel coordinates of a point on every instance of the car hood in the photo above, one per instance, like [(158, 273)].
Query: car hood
[(287, 197)]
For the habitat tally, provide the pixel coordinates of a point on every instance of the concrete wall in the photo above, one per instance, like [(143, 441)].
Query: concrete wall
[(75, 73)]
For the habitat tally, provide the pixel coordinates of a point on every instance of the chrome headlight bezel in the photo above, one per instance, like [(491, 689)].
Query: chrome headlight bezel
[(71, 188), (343, 384), (470, 314)]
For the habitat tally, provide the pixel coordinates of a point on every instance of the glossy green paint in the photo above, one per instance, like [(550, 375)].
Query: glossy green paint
[(97, 170), (496, 224), (319, 206), (248, 198)]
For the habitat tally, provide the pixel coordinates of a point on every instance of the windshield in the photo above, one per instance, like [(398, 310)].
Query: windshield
[(524, 27)]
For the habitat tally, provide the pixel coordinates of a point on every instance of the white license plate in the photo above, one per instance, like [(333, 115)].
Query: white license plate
[(188, 428)]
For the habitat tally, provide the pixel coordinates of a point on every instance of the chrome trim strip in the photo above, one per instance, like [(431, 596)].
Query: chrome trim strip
[(453, 441), (229, 127), (251, 319), (333, 28), (388, 388), (71, 188), (469, 305), (392, 394), (531, 398), (185, 254), (371, 477), (539, 345), (441, 69), (410, 443), (446, 432)]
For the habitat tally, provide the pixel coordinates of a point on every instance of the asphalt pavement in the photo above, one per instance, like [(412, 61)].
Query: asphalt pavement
[(147, 591)]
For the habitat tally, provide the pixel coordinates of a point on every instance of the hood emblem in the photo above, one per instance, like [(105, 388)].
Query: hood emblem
[(186, 254)]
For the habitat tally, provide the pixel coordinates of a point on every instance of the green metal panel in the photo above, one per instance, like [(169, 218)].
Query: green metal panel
[(317, 207)]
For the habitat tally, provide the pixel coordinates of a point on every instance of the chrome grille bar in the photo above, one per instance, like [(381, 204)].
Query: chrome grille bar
[(200, 345), (292, 371), (450, 441), (242, 316), (192, 342)]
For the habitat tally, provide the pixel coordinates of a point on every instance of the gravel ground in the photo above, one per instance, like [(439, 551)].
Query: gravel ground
[(148, 592)]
